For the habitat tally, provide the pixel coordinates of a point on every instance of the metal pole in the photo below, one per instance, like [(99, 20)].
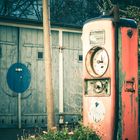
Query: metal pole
[(19, 94), (19, 110), (61, 110), (117, 86)]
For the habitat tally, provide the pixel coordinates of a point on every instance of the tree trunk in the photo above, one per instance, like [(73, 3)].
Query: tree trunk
[(48, 66)]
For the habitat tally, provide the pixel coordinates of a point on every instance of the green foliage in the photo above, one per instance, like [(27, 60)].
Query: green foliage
[(80, 133), (56, 135), (133, 12), (84, 133), (104, 5), (73, 11), (126, 10)]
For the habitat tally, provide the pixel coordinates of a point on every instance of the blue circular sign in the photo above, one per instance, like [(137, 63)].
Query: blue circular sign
[(18, 77)]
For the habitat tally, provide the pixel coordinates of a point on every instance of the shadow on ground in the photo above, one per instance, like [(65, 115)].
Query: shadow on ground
[(18, 134), (10, 134)]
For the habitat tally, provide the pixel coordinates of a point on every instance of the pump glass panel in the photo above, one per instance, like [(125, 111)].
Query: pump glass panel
[(97, 37)]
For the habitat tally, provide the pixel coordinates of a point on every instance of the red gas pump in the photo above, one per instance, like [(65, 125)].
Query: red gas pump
[(100, 97)]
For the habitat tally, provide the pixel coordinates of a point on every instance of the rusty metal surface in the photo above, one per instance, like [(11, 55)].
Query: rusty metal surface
[(129, 93)]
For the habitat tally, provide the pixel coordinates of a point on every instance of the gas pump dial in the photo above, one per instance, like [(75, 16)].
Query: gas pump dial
[(100, 62), (97, 61)]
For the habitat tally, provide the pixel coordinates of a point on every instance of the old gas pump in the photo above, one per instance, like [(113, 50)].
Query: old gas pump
[(128, 73), (107, 108)]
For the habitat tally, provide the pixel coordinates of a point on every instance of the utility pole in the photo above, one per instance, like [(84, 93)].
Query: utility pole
[(48, 66)]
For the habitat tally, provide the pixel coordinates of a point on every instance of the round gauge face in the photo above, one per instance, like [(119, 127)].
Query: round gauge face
[(100, 62)]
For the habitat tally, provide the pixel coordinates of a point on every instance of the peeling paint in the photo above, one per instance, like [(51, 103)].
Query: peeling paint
[(131, 102), (137, 99)]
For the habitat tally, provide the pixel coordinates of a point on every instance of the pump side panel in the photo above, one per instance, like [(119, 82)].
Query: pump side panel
[(129, 58)]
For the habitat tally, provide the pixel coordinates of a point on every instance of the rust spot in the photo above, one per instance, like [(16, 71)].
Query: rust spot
[(130, 33), (123, 109), (137, 99), (131, 102), (135, 114)]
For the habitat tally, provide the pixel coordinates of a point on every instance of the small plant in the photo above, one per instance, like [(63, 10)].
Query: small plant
[(84, 133), (79, 133)]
